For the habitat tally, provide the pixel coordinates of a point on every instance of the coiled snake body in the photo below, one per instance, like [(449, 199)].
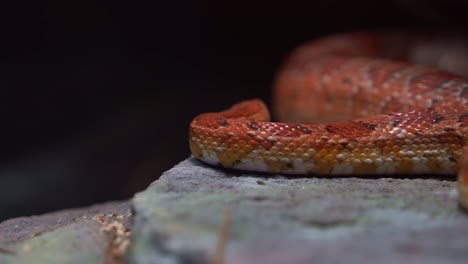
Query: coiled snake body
[(376, 116)]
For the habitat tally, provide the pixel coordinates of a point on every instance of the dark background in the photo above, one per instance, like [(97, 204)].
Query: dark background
[(96, 97)]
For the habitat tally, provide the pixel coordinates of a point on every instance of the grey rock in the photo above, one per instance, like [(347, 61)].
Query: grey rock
[(85, 235), (277, 219)]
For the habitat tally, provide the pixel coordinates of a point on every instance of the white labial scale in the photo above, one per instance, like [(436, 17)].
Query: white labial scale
[(252, 164), (209, 156), (387, 167), (342, 169), (421, 168), (446, 165), (253, 161), (448, 169), (420, 165), (300, 167)]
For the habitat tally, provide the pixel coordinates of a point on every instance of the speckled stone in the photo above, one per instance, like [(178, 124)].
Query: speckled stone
[(275, 219)]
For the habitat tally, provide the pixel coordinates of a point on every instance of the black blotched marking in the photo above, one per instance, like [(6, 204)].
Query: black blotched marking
[(437, 119), (460, 118), (253, 125), (452, 159), (223, 121), (369, 125), (344, 144), (431, 79), (289, 165), (346, 80), (372, 126), (433, 102), (464, 92), (304, 129), (329, 129), (395, 122)]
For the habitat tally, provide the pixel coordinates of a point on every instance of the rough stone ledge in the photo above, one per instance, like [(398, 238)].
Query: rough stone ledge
[(296, 220), (96, 234), (200, 214)]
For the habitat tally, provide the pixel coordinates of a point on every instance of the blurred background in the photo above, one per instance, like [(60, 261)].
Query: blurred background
[(96, 97)]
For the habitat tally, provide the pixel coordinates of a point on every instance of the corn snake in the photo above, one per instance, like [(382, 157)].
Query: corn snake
[(349, 112)]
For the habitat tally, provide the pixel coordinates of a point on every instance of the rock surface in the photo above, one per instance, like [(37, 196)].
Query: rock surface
[(199, 214), (98, 234)]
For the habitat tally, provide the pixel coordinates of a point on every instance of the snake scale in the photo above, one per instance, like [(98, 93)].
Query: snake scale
[(350, 104)]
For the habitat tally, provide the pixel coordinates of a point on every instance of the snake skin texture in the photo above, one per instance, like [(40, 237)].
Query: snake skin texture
[(351, 105)]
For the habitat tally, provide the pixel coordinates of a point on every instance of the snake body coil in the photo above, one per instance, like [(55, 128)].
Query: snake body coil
[(376, 116)]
